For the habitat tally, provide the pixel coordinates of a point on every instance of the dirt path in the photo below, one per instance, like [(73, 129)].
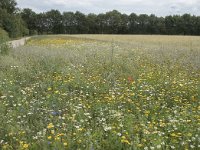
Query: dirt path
[(20, 42)]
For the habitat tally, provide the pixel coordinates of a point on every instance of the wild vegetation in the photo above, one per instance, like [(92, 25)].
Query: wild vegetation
[(10, 19), (101, 92), (4, 47)]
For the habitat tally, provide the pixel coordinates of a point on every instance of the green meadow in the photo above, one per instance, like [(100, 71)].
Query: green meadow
[(101, 92)]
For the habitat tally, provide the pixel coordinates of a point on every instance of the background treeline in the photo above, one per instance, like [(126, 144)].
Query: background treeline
[(113, 22), (10, 19), (27, 22)]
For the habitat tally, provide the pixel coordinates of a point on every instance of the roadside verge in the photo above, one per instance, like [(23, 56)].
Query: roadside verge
[(17, 43)]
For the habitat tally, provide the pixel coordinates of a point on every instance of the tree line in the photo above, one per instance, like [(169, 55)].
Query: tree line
[(22, 22), (112, 22), (11, 20)]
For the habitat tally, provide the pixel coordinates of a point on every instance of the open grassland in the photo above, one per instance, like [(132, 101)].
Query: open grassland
[(147, 40), (99, 92)]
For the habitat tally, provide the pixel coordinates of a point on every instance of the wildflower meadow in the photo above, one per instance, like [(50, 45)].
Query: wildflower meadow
[(101, 92)]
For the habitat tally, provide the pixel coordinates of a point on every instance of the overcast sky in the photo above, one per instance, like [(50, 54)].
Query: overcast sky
[(157, 7)]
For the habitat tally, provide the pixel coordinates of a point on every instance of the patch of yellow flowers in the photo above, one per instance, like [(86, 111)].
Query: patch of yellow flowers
[(124, 140), (24, 145), (55, 41), (50, 125)]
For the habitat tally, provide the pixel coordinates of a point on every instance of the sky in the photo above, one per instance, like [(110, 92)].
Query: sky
[(157, 7)]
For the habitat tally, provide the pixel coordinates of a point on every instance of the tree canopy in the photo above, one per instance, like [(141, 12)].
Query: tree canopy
[(112, 22), (8, 5), (10, 19), (21, 22)]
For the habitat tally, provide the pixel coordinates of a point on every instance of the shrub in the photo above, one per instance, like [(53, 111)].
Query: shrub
[(4, 46), (33, 32)]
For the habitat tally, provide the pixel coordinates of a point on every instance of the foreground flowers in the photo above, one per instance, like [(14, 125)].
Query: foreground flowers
[(75, 97)]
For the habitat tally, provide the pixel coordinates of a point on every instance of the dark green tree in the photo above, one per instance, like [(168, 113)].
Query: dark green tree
[(13, 24), (10, 20), (54, 22), (92, 24), (101, 23), (123, 27), (133, 23), (8, 5), (113, 21), (152, 27), (143, 23), (29, 17), (81, 23), (197, 26), (170, 25), (41, 23), (69, 23)]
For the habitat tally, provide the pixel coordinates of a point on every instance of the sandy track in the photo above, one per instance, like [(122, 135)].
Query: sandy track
[(20, 42)]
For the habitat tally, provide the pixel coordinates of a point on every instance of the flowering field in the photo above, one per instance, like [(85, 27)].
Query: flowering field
[(102, 92)]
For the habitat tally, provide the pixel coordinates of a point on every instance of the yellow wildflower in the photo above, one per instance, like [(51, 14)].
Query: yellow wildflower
[(57, 138), (57, 92), (139, 145), (5, 146), (52, 132), (80, 129), (125, 141), (65, 144), (50, 126), (25, 146)]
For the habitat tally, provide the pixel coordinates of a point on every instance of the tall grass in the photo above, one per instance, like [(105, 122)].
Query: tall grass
[(61, 92), (4, 47)]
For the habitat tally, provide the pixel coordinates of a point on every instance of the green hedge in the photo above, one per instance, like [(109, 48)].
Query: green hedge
[(4, 46)]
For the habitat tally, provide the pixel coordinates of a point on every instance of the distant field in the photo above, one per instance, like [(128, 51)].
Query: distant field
[(187, 41), (140, 38), (99, 92)]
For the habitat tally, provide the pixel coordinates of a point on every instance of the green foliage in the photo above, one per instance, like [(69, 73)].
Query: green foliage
[(112, 22), (54, 22), (8, 5), (3, 35), (30, 19), (81, 23), (4, 47), (14, 25), (10, 20), (69, 23)]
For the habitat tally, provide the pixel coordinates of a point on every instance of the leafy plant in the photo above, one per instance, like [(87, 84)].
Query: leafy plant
[(4, 46)]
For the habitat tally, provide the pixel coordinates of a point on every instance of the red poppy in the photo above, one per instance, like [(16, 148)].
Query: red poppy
[(130, 79)]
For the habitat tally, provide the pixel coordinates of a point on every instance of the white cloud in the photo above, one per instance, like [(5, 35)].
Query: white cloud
[(158, 7)]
